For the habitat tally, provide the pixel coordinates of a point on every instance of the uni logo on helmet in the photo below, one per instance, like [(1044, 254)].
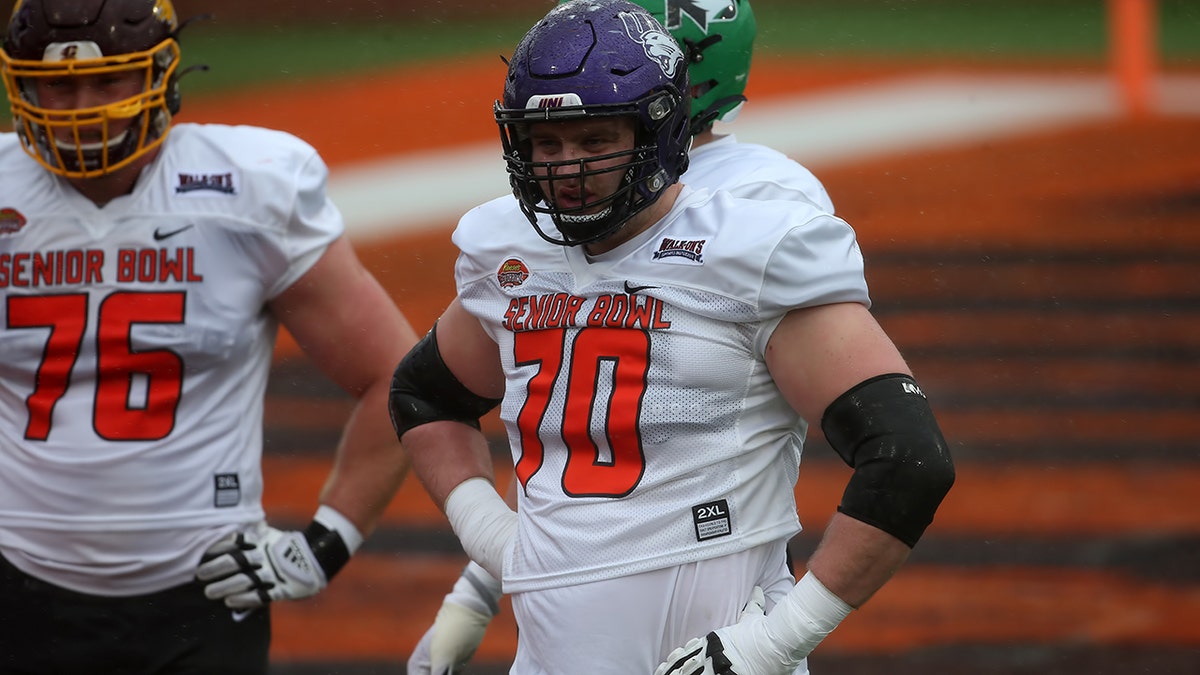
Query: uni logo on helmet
[(553, 101), (658, 45)]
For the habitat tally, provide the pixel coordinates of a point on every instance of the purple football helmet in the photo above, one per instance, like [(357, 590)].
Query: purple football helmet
[(587, 59)]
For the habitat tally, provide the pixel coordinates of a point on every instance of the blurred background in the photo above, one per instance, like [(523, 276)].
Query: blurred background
[(1024, 179)]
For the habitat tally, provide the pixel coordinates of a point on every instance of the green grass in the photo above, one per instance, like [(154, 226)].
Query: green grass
[(967, 30), (964, 29), (244, 56)]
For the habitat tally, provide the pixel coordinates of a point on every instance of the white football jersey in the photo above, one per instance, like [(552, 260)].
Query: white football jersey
[(136, 347), (646, 431), (753, 171)]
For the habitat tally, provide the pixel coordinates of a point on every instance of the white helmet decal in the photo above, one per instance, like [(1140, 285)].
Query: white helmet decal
[(659, 45), (70, 51), (554, 100), (701, 12)]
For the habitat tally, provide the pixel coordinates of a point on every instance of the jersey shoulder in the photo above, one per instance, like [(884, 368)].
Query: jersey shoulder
[(259, 178), (254, 152), (495, 231), (22, 180), (754, 171), (776, 254), (199, 155), (10, 147), (751, 228)]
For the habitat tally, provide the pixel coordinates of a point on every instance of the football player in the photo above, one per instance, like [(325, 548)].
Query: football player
[(717, 39), (657, 351), (145, 269)]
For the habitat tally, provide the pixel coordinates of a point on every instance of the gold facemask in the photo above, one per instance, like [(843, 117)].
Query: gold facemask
[(146, 117)]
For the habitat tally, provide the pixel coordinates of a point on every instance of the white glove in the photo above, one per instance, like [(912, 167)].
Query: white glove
[(763, 645), (248, 570), (466, 611), (711, 655)]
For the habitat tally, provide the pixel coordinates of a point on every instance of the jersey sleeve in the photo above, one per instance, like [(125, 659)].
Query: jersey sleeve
[(467, 267), (313, 223), (756, 172), (482, 237), (815, 263)]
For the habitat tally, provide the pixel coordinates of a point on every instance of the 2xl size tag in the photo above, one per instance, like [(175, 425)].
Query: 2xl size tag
[(227, 491), (711, 520)]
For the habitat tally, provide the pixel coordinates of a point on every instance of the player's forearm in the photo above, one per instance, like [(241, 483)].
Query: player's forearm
[(444, 454), (854, 559), (370, 463), (452, 461)]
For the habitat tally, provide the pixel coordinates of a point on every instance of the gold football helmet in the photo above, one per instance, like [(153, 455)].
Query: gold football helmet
[(51, 41)]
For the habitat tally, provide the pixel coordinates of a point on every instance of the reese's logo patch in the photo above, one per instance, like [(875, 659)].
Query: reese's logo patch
[(512, 273), (11, 220)]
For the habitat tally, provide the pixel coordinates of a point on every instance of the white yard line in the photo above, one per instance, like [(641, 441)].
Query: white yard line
[(420, 191)]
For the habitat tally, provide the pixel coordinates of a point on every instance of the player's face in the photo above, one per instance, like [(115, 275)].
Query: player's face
[(584, 146), (82, 92)]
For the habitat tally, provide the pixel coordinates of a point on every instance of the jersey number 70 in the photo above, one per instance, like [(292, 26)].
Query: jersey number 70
[(621, 356)]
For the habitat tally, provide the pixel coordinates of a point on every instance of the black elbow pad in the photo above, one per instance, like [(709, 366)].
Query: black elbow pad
[(424, 390), (885, 430)]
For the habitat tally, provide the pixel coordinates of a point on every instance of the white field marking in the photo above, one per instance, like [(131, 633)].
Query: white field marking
[(431, 190)]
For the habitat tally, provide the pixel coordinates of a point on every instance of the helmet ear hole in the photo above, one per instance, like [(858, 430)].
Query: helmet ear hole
[(171, 97)]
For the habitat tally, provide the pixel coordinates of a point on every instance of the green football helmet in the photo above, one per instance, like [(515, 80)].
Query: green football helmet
[(717, 36)]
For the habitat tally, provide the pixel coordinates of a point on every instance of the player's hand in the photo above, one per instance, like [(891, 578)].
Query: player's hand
[(248, 570), (722, 652), (461, 623), (450, 642)]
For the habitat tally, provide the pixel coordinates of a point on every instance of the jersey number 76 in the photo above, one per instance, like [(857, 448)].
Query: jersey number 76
[(114, 416)]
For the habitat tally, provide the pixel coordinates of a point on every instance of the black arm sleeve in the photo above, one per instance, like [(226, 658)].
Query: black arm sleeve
[(424, 390), (885, 430)]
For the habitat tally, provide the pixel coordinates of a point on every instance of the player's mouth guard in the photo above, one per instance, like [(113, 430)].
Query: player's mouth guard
[(67, 146), (586, 217)]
